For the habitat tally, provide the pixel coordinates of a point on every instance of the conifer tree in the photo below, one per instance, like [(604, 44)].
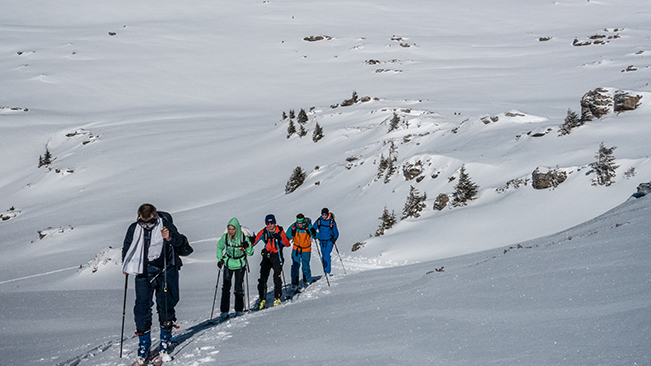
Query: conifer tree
[(571, 121), (292, 114), (466, 190), (302, 117), (387, 220), (605, 165), (301, 131), (382, 166), (318, 133), (46, 159), (390, 163), (415, 203), (394, 122), (295, 180), (291, 129), (284, 115)]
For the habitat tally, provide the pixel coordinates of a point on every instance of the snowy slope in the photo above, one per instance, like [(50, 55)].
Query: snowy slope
[(180, 104)]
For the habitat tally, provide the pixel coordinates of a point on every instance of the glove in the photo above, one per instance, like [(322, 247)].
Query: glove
[(245, 245), (313, 231), (334, 240), (220, 264)]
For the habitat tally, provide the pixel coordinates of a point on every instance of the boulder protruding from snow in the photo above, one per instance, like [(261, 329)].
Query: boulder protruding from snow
[(599, 102), (595, 104), (551, 179), (625, 101), (643, 189)]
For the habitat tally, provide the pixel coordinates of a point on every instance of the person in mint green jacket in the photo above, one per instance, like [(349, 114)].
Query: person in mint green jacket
[(232, 249)]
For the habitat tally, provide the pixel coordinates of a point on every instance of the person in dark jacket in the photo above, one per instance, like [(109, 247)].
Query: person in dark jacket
[(148, 253), (328, 235), (272, 257)]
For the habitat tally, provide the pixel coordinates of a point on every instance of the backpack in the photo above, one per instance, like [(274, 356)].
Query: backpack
[(332, 220), (185, 249)]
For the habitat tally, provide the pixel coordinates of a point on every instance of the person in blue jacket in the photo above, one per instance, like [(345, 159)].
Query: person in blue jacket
[(328, 235), (148, 253)]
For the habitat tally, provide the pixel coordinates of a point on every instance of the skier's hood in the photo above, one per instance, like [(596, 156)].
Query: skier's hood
[(238, 229)]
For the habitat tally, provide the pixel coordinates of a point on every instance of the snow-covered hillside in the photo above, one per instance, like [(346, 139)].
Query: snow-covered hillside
[(181, 104)]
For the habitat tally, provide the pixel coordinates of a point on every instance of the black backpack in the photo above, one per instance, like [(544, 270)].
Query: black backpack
[(185, 249)]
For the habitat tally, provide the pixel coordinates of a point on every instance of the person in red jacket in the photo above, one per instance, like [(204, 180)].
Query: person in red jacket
[(274, 239)]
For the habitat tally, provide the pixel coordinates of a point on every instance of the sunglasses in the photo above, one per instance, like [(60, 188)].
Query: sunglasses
[(270, 223), (148, 224)]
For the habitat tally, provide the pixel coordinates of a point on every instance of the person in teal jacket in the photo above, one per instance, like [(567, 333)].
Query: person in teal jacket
[(232, 251)]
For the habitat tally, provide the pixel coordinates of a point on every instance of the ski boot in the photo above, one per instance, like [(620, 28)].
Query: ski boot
[(223, 316), (144, 344), (262, 303), (277, 301), (239, 313), (166, 340)]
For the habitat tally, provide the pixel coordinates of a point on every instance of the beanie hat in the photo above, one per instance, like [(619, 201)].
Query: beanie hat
[(300, 217), (325, 211), (270, 218)]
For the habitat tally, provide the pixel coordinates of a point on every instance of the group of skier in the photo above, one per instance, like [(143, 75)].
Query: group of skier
[(151, 252)]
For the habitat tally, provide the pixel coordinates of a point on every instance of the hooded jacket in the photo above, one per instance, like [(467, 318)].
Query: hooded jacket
[(327, 228), (231, 250), (302, 237)]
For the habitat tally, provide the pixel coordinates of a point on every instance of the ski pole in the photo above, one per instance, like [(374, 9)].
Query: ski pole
[(248, 298), (124, 310), (165, 275), (282, 269), (342, 262), (215, 298), (322, 264)]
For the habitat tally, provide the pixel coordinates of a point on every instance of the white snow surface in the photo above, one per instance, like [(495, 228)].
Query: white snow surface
[(180, 104)]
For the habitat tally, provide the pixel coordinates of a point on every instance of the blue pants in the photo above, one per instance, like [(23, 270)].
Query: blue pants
[(154, 283), (326, 249), (299, 258)]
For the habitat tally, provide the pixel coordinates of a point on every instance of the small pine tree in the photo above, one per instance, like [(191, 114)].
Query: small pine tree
[(292, 114), (605, 165), (466, 190), (301, 131), (291, 129), (382, 166), (284, 115), (387, 220), (318, 133), (415, 203), (390, 163), (390, 169), (296, 180), (571, 121), (302, 117), (394, 122), (46, 159)]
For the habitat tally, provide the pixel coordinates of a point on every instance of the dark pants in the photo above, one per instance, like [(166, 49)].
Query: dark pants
[(154, 283), (269, 261), (239, 289)]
